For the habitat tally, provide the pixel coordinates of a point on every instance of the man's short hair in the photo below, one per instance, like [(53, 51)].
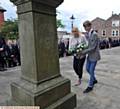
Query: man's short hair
[(87, 23)]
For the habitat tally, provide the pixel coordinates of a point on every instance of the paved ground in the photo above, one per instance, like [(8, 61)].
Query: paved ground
[(106, 94)]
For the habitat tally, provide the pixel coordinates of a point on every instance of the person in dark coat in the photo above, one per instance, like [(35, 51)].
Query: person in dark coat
[(3, 63), (61, 48), (11, 50)]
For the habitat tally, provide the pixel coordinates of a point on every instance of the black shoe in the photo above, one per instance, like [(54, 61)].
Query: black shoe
[(88, 89), (3, 69), (95, 82)]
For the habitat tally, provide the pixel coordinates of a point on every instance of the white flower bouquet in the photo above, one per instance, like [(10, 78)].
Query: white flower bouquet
[(78, 48)]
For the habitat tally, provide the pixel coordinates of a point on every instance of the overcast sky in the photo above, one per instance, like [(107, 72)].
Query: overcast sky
[(82, 10), (11, 9)]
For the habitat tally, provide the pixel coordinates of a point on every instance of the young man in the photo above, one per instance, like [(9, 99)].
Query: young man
[(93, 54)]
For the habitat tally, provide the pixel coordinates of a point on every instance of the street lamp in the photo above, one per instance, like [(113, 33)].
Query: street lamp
[(72, 19)]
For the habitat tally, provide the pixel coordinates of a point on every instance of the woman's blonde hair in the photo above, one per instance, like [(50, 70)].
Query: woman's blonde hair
[(75, 29)]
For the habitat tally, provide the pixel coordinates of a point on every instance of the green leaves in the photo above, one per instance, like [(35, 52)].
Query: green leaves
[(60, 24), (10, 29)]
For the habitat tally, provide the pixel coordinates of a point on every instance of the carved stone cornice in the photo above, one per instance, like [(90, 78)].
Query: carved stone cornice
[(53, 3)]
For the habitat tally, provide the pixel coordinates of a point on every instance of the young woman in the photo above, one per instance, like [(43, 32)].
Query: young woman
[(78, 62)]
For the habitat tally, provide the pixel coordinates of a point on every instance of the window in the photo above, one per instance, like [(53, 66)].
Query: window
[(96, 31), (115, 23), (115, 32), (103, 32)]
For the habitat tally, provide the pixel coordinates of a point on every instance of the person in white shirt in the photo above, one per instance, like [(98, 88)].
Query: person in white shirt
[(78, 62)]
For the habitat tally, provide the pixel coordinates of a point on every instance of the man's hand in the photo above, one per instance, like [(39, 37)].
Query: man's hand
[(79, 54), (1, 49)]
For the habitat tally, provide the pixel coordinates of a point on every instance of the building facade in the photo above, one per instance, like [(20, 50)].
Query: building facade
[(107, 28), (2, 10), (61, 35)]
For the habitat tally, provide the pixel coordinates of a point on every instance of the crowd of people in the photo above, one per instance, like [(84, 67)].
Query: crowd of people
[(105, 43), (109, 42), (9, 54), (63, 46)]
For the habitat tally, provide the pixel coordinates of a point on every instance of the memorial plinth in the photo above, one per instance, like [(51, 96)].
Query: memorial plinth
[(41, 83)]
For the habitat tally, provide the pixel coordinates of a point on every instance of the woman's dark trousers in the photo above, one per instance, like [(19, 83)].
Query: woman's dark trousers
[(78, 66)]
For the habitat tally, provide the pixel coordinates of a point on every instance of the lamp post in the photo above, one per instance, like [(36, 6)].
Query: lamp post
[(72, 19)]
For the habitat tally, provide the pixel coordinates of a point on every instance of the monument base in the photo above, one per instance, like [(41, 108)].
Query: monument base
[(51, 94)]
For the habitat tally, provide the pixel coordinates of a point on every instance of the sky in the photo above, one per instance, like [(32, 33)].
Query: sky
[(81, 9), (11, 9)]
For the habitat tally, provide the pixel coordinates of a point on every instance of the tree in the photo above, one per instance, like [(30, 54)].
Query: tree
[(10, 29), (60, 24)]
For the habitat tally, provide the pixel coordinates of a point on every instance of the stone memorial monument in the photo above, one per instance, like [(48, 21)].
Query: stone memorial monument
[(41, 83)]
